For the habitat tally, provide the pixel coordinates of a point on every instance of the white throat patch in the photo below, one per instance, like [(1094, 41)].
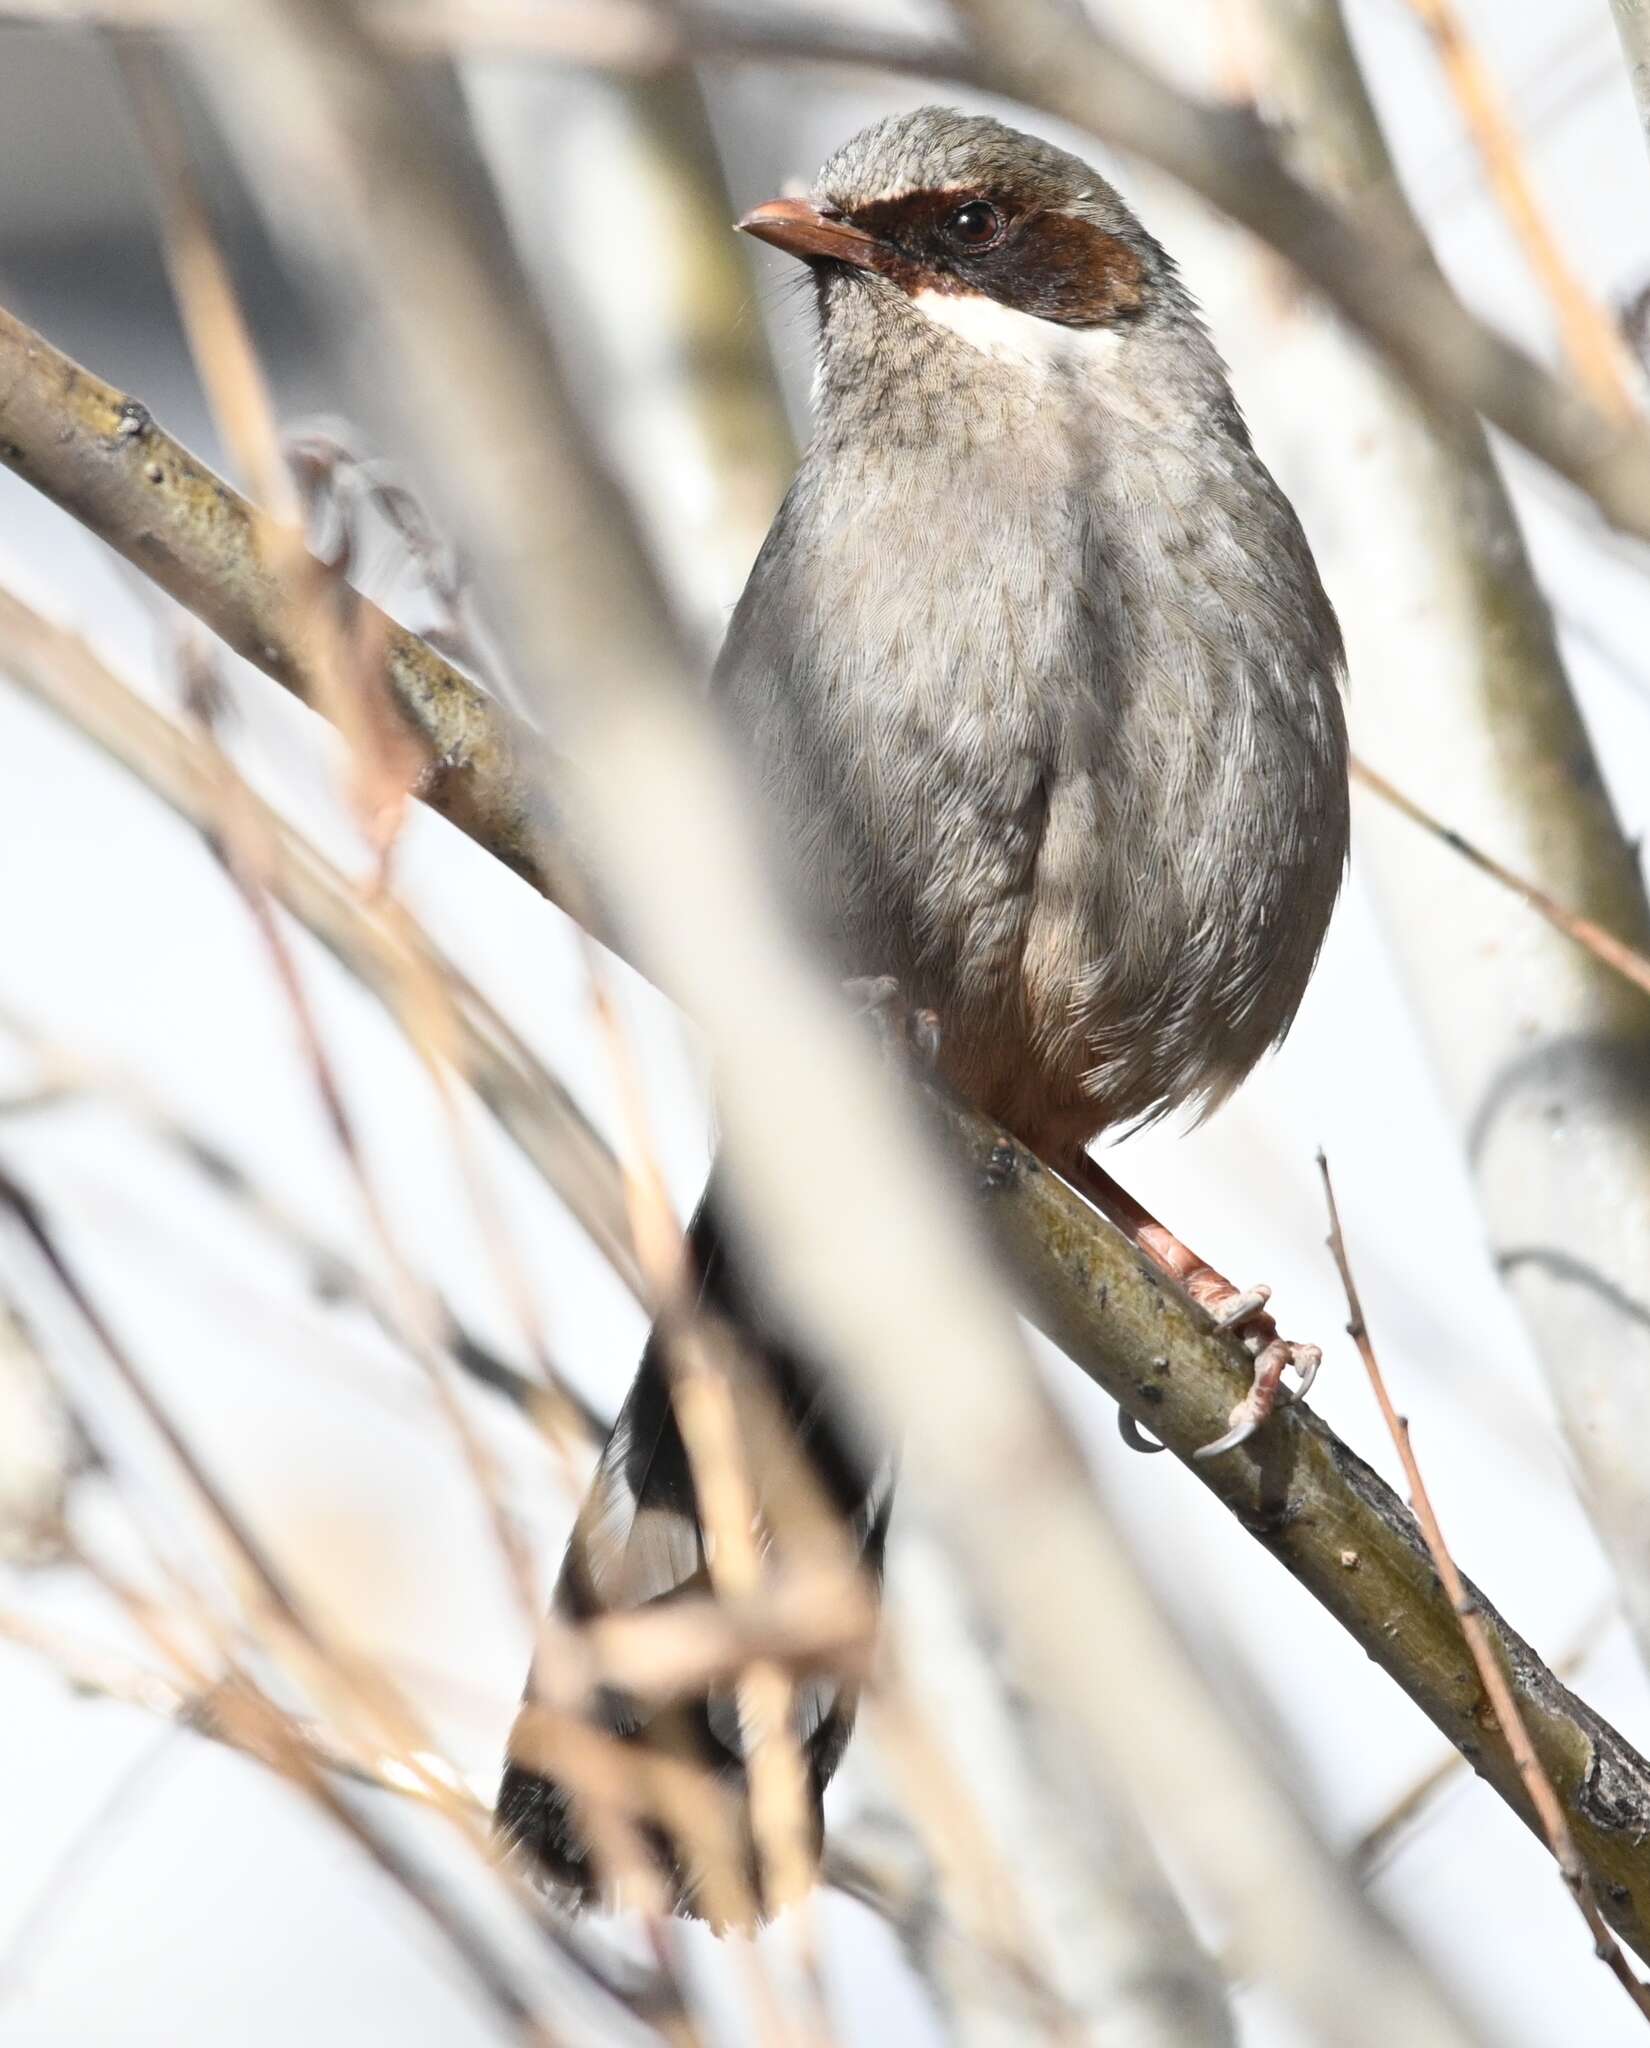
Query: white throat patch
[(1008, 335)]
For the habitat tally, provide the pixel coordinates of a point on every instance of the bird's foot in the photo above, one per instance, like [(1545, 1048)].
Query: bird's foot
[(1243, 1313), (901, 1026)]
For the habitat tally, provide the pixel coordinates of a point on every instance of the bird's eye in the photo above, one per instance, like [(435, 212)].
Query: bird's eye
[(975, 226)]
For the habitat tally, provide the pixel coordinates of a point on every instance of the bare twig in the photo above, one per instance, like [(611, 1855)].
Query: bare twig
[(101, 456), (1531, 1036), (354, 694), (552, 1403), (1625, 960), (1509, 1721), (382, 762), (1590, 340), (417, 1318), (40, 1449), (1379, 1840), (401, 1749), (81, 1856), (702, 1395), (538, 1112)]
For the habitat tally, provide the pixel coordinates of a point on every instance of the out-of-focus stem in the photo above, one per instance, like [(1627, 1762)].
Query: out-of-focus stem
[(102, 457), (1459, 691), (667, 346), (1633, 26), (1592, 344)]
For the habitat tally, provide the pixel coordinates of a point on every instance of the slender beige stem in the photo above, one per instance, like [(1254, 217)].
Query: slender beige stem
[(60, 671), (1625, 960), (1591, 341), (1509, 1721)]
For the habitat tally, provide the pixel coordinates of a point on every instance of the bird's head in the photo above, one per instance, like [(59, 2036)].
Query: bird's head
[(1017, 247)]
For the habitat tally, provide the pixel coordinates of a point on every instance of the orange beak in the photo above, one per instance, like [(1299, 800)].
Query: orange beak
[(800, 228)]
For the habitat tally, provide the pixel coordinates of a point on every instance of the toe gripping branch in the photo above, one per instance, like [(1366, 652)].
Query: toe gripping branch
[(1273, 1356), (1242, 1312)]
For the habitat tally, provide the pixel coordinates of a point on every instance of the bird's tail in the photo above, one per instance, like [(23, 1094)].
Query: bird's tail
[(638, 1542)]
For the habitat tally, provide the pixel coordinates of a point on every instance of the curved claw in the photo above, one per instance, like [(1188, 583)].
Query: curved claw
[(926, 1036), (1268, 1393), (876, 997), (1240, 1310), (1136, 1438), (1244, 1424), (1307, 1358)]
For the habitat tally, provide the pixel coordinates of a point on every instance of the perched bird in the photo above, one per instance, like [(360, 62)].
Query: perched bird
[(1043, 689)]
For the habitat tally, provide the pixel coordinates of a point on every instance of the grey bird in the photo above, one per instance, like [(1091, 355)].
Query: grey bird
[(1041, 684)]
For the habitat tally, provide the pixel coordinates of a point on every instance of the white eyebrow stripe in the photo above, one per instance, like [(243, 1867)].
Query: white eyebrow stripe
[(1008, 335)]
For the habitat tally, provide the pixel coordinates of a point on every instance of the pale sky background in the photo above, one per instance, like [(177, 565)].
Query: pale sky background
[(209, 1907)]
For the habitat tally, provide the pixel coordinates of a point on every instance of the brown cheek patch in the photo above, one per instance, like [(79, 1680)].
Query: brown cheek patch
[(1066, 269), (1051, 265)]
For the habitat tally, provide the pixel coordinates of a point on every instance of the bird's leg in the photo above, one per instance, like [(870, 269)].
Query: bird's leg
[(1242, 1311)]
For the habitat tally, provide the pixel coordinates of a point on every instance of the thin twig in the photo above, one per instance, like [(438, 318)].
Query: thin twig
[(240, 848), (102, 457), (1590, 338), (82, 1857), (1625, 960), (555, 1136), (1538, 1786), (67, 1078), (383, 765), (354, 697), (398, 1745), (702, 1397), (1378, 1841)]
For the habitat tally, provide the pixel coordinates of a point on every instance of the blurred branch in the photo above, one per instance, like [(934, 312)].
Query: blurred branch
[(551, 1131), (1508, 1721), (554, 1405), (257, 1723), (1590, 339), (669, 352), (41, 1452), (100, 455), (1633, 26), (237, 840), (1544, 1052), (1324, 1514), (1298, 1496), (383, 763), (1091, 1921), (827, 1178)]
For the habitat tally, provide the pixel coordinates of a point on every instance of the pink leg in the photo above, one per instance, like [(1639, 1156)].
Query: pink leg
[(1242, 1312)]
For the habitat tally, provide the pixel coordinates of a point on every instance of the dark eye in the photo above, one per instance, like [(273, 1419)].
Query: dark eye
[(975, 226)]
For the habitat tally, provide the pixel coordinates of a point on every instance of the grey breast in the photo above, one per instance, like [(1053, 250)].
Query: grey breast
[(1049, 712)]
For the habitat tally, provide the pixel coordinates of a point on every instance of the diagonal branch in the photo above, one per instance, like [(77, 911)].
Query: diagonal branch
[(1508, 1721), (100, 455), (1328, 1518)]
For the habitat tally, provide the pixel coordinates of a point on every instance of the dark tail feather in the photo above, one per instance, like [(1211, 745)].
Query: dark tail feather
[(638, 1541)]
